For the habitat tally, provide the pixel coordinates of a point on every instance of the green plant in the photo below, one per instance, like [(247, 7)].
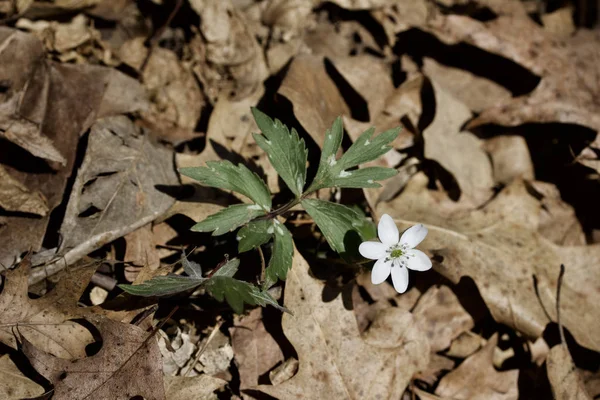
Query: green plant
[(343, 227)]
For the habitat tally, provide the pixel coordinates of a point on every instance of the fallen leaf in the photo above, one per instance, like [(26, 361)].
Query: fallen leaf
[(47, 322), (14, 196), (476, 92), (441, 317), (560, 22), (316, 100), (499, 247), (254, 349), (510, 158), (176, 353), (284, 372), (13, 384), (464, 345), (475, 378), (201, 387), (459, 152), (335, 361), (141, 255), (126, 366), (115, 190), (564, 379)]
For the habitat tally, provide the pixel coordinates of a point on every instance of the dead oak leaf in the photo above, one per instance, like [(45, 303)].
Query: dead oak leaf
[(126, 366), (335, 361), (477, 379), (14, 196), (564, 379), (13, 384), (513, 265), (45, 321)]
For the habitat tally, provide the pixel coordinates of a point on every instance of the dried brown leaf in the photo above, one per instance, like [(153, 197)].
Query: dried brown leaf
[(126, 366), (459, 152), (476, 378), (13, 384), (514, 267), (201, 387), (45, 321), (254, 349), (316, 100), (564, 379), (14, 196), (441, 317), (335, 361), (510, 158)]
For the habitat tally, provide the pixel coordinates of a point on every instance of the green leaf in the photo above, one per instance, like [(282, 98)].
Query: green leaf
[(334, 173), (286, 150), (341, 225), (192, 269), (363, 178), (229, 269), (225, 175), (254, 234), (228, 219), (236, 293), (281, 257), (365, 149), (163, 286)]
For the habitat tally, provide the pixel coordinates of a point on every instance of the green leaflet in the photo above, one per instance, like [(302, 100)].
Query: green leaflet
[(228, 219), (286, 150), (236, 293), (254, 234), (163, 286), (334, 173), (225, 175), (281, 257), (342, 226)]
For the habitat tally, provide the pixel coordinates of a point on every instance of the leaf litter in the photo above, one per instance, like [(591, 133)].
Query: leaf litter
[(102, 102)]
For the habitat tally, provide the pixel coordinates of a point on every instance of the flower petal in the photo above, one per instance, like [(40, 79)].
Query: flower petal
[(387, 230), (381, 271), (372, 250), (417, 260), (400, 278), (413, 235)]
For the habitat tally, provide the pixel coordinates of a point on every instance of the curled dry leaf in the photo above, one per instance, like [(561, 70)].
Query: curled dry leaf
[(13, 384), (201, 387), (47, 322), (564, 379), (335, 361), (141, 255), (441, 317), (14, 196), (514, 267), (126, 366), (510, 158), (476, 378), (227, 56), (254, 349)]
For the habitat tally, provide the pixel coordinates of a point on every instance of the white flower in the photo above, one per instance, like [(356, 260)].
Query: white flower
[(395, 254)]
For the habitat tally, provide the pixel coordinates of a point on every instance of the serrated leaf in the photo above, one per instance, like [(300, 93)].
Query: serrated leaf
[(331, 145), (286, 150), (236, 293), (363, 178), (229, 269), (281, 257), (225, 175), (228, 219), (254, 234), (163, 286), (192, 269), (342, 226), (365, 149), (335, 173)]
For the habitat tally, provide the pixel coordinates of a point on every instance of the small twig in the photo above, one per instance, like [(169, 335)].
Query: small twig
[(204, 347), (558, 321), (106, 282), (218, 267), (308, 221)]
